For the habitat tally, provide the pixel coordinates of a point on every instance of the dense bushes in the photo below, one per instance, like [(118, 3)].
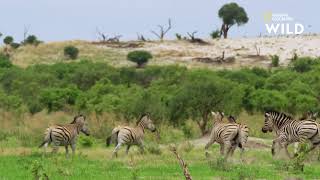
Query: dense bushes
[(171, 94), (71, 52)]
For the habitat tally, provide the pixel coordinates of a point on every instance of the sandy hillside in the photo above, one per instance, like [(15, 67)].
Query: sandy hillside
[(241, 52)]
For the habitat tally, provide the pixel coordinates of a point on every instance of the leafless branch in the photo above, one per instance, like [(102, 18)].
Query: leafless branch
[(184, 166), (101, 36), (141, 37), (163, 30), (25, 32), (257, 49)]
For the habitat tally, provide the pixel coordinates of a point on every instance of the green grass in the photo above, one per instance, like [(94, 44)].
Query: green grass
[(95, 163)]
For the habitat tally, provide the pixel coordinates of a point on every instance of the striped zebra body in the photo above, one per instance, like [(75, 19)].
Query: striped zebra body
[(225, 134), (290, 130), (243, 135), (125, 135), (65, 135)]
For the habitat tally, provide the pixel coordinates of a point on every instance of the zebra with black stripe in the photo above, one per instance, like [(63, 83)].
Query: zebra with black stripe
[(225, 134), (65, 135), (125, 135), (289, 130), (243, 135)]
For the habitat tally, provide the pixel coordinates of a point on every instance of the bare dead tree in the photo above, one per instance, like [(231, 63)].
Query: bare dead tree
[(163, 30), (183, 165), (141, 37), (114, 39), (101, 36), (257, 49), (193, 39), (25, 32)]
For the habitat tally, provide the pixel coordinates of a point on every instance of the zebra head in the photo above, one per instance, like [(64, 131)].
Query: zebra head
[(268, 123), (217, 116), (146, 122), (311, 115), (80, 120)]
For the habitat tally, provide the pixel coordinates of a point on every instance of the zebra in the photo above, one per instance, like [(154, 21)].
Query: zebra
[(243, 135), (65, 135), (309, 116), (125, 135), (289, 130), (226, 134)]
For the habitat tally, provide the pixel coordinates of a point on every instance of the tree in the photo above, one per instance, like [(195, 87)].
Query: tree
[(163, 30), (8, 40), (231, 14), (139, 57), (202, 93)]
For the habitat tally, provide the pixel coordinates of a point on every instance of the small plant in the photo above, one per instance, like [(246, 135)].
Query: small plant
[(187, 147), (86, 141), (303, 64), (215, 34), (8, 40), (71, 52), (139, 57), (275, 60), (38, 171), (154, 148), (178, 36), (219, 164)]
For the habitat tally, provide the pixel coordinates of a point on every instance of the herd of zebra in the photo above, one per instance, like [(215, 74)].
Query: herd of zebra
[(229, 135)]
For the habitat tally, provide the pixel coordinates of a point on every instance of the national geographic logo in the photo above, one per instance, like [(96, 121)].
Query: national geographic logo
[(278, 23)]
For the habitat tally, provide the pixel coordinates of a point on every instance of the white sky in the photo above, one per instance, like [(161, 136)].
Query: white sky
[(55, 20)]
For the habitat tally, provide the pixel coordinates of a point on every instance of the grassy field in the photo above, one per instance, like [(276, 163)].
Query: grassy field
[(96, 163)]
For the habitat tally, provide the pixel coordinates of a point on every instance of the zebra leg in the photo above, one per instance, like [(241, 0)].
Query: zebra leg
[(67, 150), (221, 149), (228, 148), (286, 149), (296, 148), (55, 149), (211, 141), (141, 147), (73, 147), (127, 151), (115, 151)]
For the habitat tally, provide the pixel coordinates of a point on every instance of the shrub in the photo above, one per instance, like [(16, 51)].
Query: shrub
[(86, 141), (8, 40), (215, 34), (187, 146), (275, 60), (139, 57), (15, 45), (32, 40), (71, 52), (302, 64), (4, 61)]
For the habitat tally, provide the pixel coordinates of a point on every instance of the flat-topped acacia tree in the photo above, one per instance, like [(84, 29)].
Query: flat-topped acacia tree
[(231, 14)]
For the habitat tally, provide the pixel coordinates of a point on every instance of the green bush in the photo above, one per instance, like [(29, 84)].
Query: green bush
[(8, 40), (303, 64), (5, 61), (139, 57), (32, 40), (86, 141), (275, 60), (215, 34), (71, 52), (154, 148)]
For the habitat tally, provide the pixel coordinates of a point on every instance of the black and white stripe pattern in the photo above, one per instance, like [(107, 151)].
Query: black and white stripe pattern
[(289, 130), (125, 135), (65, 135), (226, 134), (243, 135)]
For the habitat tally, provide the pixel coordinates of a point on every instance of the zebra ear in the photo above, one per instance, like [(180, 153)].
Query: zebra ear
[(213, 113), (266, 114)]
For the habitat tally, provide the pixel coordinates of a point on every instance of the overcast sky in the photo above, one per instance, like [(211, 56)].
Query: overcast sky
[(55, 20)]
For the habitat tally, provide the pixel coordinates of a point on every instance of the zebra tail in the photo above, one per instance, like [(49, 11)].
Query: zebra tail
[(114, 136), (47, 138)]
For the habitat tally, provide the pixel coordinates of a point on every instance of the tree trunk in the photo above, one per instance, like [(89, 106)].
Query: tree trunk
[(203, 124), (224, 31)]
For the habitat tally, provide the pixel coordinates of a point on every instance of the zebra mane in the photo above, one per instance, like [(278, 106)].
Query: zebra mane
[(76, 117), (140, 118), (280, 114)]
